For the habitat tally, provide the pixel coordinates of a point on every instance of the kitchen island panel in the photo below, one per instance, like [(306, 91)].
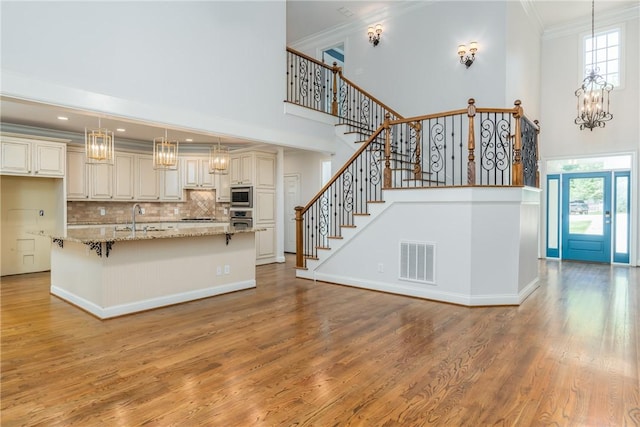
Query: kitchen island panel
[(143, 274)]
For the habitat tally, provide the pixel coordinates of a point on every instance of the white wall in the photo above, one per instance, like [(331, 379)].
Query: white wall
[(210, 66), (415, 69), (308, 165), (560, 137)]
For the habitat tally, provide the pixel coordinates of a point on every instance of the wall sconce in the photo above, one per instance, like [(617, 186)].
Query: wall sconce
[(462, 50), (374, 34)]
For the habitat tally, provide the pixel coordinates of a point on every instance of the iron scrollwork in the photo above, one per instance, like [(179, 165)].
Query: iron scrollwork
[(438, 147), (529, 152), (59, 242), (495, 137), (97, 247)]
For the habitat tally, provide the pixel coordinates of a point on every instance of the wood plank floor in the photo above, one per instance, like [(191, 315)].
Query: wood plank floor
[(295, 352)]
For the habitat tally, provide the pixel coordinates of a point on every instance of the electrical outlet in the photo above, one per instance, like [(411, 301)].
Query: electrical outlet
[(226, 211), (103, 211), (381, 268), (227, 269), (142, 210), (176, 211), (219, 271)]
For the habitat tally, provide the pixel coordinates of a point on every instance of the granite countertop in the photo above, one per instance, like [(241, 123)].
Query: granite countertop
[(97, 236), (177, 221)]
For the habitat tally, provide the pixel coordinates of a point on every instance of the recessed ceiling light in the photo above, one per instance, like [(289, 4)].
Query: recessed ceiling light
[(346, 12), (189, 140), (120, 129), (63, 118)]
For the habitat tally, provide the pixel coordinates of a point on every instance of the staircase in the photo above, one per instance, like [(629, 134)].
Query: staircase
[(469, 147)]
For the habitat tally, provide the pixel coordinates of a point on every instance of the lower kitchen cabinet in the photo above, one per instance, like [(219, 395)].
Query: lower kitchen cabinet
[(266, 245)]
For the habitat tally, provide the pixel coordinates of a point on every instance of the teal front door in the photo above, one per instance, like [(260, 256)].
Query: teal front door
[(586, 216)]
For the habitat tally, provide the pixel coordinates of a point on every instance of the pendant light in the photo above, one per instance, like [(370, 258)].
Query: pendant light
[(593, 95), (165, 153), (219, 159), (98, 145)]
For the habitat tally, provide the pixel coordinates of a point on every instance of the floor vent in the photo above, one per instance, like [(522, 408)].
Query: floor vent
[(417, 261)]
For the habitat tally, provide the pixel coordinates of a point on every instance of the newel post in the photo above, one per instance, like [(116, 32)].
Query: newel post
[(387, 152), (299, 242), (471, 143), (517, 171), (334, 103), (537, 123)]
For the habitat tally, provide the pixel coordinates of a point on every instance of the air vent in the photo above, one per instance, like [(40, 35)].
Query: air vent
[(417, 262)]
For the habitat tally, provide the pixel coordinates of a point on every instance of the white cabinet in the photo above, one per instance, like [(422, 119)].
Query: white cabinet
[(100, 178), (77, 182), (223, 188), (196, 173), (30, 156), (253, 168), (123, 176), (265, 207), (171, 188), (266, 245), (147, 184), (241, 169)]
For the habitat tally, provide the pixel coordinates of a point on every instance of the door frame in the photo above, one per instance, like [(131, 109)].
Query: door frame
[(284, 191), (634, 202)]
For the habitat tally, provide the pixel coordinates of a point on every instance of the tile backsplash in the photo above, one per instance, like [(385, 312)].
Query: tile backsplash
[(197, 204)]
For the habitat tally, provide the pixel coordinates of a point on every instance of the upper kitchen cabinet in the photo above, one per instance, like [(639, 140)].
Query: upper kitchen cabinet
[(21, 155), (254, 168), (147, 186), (223, 192), (171, 188), (123, 177), (77, 172), (196, 173)]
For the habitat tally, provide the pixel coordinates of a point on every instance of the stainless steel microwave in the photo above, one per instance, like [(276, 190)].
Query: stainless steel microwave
[(242, 197)]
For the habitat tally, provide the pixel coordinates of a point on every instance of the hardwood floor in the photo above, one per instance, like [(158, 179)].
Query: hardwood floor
[(295, 352)]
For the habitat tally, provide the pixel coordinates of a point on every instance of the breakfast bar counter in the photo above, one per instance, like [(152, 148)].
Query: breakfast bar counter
[(111, 273)]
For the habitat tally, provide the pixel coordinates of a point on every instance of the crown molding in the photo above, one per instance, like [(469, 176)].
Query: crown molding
[(604, 19), (532, 12), (360, 24)]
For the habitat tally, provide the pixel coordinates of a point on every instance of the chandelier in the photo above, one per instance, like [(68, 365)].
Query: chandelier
[(593, 95), (98, 145), (219, 159), (165, 153)]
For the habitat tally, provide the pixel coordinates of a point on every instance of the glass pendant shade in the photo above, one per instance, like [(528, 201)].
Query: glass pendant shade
[(219, 160), (165, 153), (98, 145)]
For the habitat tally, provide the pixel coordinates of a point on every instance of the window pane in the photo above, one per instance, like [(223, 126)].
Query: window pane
[(612, 52), (621, 219), (612, 38), (614, 79), (612, 67), (601, 55), (601, 41), (587, 45)]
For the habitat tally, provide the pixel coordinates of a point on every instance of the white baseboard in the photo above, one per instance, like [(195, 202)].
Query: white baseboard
[(426, 293), (134, 307)]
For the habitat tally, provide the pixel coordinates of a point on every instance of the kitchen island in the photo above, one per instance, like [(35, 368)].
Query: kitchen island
[(111, 273)]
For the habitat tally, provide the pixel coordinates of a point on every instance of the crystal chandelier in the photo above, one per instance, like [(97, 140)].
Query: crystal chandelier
[(593, 95), (165, 153), (98, 145), (219, 159)]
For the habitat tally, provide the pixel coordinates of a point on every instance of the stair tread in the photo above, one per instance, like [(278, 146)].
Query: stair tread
[(335, 237), (348, 226)]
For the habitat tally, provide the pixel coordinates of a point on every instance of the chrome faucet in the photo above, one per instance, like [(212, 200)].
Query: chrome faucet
[(133, 216)]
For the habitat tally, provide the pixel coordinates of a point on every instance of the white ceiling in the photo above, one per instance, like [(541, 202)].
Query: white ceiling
[(304, 18)]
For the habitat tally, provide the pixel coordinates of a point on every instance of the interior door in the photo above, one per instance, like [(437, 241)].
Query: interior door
[(586, 216), (291, 200)]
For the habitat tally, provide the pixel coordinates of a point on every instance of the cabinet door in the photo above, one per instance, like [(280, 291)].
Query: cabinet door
[(15, 157), (190, 171), (265, 243), (246, 169), (49, 159), (171, 185), (77, 182), (101, 181), (223, 192), (207, 180), (124, 166), (265, 172), (265, 207), (147, 181), (235, 170)]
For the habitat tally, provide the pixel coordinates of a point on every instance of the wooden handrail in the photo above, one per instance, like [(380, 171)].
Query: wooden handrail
[(451, 113), (308, 58), (342, 169), (373, 98)]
